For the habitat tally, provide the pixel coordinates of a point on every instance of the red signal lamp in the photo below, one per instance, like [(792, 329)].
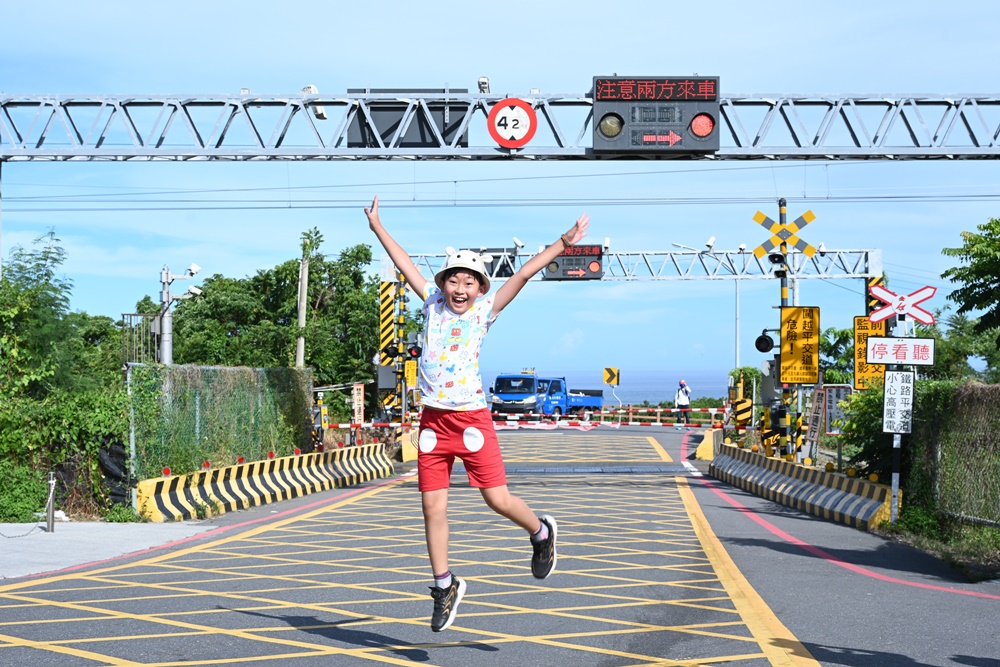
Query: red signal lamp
[(702, 125)]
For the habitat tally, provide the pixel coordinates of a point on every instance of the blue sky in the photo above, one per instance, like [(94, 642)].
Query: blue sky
[(669, 327)]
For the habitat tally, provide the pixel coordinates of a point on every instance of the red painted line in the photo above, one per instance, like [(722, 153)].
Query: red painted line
[(684, 446), (216, 531), (819, 553)]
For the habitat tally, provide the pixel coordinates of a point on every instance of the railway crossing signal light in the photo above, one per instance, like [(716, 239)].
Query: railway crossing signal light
[(670, 116), (413, 348), (764, 343), (578, 262)]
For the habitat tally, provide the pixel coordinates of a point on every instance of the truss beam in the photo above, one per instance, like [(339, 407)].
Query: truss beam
[(696, 265), (313, 127)]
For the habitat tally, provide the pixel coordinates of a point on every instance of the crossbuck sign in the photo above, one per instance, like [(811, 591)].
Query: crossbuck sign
[(902, 304)]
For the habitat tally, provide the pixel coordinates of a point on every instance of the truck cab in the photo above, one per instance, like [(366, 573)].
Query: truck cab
[(527, 394), (515, 394)]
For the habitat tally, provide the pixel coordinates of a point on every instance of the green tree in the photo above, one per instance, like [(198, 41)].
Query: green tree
[(34, 302), (61, 395), (147, 306), (253, 321), (986, 349), (955, 343), (836, 355), (980, 289), (752, 377)]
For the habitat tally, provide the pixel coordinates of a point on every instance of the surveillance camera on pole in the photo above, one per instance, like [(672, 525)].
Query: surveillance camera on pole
[(318, 111), (166, 316)]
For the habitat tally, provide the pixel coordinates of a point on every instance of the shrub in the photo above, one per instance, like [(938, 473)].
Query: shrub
[(23, 492)]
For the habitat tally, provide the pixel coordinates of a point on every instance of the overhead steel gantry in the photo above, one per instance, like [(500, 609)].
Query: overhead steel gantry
[(319, 127), (697, 265)]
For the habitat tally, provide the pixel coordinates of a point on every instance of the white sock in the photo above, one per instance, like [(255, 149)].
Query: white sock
[(443, 580), (542, 534)]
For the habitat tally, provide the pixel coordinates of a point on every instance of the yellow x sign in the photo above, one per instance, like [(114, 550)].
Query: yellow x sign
[(784, 234)]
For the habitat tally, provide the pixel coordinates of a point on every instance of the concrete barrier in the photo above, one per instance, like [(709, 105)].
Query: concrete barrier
[(232, 488), (710, 444), (847, 500), (408, 444)]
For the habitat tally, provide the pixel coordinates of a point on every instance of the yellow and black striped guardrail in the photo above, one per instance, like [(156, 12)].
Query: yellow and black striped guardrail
[(231, 488), (847, 500)]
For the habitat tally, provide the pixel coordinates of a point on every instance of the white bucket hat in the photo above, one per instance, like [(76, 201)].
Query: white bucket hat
[(464, 259)]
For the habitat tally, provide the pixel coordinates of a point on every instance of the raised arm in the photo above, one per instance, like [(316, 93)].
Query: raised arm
[(507, 291), (399, 257)]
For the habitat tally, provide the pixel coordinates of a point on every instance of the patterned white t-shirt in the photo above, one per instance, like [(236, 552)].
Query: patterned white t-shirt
[(449, 377)]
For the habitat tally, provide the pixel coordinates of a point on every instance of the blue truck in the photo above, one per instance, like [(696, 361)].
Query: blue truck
[(525, 393)]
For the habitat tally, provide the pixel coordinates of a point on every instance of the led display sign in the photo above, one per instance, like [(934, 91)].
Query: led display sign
[(578, 262), (667, 115)]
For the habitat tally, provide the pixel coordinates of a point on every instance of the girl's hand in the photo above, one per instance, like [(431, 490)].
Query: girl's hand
[(372, 214), (579, 230)]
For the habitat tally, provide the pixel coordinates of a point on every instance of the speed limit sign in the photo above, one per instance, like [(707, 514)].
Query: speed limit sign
[(512, 122)]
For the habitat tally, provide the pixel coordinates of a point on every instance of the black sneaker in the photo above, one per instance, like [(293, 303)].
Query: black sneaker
[(543, 561), (446, 603)]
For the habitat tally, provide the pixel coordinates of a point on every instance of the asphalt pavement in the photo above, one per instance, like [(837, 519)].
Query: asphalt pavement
[(846, 597)]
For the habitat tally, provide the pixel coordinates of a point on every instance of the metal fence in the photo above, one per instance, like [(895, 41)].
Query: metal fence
[(140, 338), (184, 417)]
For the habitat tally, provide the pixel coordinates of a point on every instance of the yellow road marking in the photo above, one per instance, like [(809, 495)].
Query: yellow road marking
[(66, 650), (710, 572), (198, 548), (659, 449), (778, 643)]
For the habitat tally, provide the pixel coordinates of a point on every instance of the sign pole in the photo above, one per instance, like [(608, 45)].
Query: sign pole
[(897, 440), (786, 395)]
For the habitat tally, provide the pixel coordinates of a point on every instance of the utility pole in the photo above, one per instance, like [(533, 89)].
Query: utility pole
[(786, 396), (300, 342)]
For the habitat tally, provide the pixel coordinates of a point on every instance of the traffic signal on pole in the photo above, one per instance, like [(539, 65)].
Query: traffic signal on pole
[(413, 348), (578, 262), (656, 115)]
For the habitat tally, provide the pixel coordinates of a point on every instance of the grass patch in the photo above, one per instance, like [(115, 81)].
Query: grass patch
[(123, 514), (971, 549)]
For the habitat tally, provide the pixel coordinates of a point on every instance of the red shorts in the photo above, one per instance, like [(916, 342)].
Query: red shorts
[(445, 434)]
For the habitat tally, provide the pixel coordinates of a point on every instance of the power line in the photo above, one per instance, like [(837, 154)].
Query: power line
[(465, 181), (241, 205)]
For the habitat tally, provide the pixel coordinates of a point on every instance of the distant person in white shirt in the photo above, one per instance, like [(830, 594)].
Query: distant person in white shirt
[(683, 401)]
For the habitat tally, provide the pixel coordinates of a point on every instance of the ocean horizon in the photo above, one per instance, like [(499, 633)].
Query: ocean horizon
[(635, 387)]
